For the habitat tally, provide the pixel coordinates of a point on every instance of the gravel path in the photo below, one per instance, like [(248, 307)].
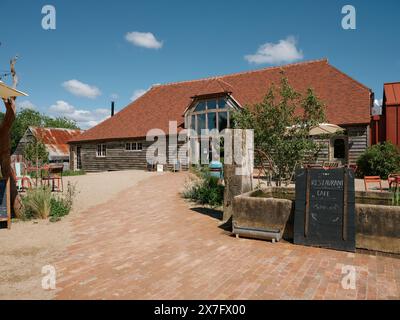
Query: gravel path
[(29, 246)]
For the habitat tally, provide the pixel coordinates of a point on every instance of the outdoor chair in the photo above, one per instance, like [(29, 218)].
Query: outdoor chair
[(374, 180), (354, 167), (394, 179), (53, 178), (176, 166), (23, 181), (151, 166)]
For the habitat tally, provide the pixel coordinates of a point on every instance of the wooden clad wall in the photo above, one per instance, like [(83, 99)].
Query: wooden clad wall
[(357, 137), (358, 141), (117, 157)]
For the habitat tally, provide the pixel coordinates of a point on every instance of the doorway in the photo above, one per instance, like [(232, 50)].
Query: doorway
[(78, 158), (339, 149)]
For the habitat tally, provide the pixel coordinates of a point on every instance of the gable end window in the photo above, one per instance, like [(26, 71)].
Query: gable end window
[(209, 114), (101, 150), (133, 146)]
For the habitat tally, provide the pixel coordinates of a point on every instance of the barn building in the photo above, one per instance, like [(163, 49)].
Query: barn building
[(119, 142), (54, 139)]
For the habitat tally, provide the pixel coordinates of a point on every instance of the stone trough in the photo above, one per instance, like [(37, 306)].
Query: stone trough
[(268, 213)]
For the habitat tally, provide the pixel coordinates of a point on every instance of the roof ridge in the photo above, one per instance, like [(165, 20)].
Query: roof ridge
[(397, 82), (241, 73), (54, 128)]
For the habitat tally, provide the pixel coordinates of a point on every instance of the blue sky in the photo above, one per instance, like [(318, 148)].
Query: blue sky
[(75, 69)]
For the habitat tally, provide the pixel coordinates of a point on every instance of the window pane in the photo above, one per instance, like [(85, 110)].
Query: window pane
[(139, 146), (211, 104), (134, 146), (201, 122), (222, 120), (128, 146), (212, 120), (221, 103), (101, 150), (193, 123), (201, 106)]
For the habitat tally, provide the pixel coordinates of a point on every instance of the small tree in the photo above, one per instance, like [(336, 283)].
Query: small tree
[(36, 153), (379, 160), (28, 117), (23, 119), (59, 122), (280, 130)]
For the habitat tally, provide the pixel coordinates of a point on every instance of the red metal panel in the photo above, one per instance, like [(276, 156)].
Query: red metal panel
[(56, 140), (398, 126), (392, 124), (392, 93)]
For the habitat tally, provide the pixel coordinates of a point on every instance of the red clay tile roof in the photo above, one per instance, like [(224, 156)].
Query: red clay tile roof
[(347, 101), (55, 139), (392, 93)]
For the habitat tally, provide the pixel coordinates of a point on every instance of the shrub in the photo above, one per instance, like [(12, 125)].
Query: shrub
[(67, 173), (40, 203), (37, 203), (62, 205), (396, 197), (205, 189), (379, 160), (59, 208)]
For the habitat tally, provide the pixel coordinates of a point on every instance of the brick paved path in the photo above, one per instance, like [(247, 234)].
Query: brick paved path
[(148, 244)]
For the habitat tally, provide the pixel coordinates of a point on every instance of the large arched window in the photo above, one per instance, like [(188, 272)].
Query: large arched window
[(209, 114)]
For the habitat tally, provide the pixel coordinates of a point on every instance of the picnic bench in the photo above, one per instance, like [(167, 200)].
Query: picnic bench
[(374, 180)]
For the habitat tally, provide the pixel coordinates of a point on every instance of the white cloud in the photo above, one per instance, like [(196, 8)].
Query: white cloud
[(102, 111), (81, 89), (137, 94), (285, 51), (84, 118), (25, 104), (377, 108), (143, 39), (378, 102), (62, 107)]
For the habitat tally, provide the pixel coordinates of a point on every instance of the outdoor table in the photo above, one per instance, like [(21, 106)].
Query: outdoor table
[(38, 170), (54, 173)]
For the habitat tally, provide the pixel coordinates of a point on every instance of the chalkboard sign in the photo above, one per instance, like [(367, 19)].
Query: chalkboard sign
[(325, 208), (5, 210)]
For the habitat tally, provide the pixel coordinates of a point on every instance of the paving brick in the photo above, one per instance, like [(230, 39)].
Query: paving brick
[(148, 243)]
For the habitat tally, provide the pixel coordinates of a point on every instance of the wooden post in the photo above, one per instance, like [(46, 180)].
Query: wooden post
[(238, 175), (8, 195), (345, 203), (307, 211)]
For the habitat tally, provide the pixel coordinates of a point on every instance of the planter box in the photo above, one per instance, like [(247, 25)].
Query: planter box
[(258, 214), (269, 214)]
